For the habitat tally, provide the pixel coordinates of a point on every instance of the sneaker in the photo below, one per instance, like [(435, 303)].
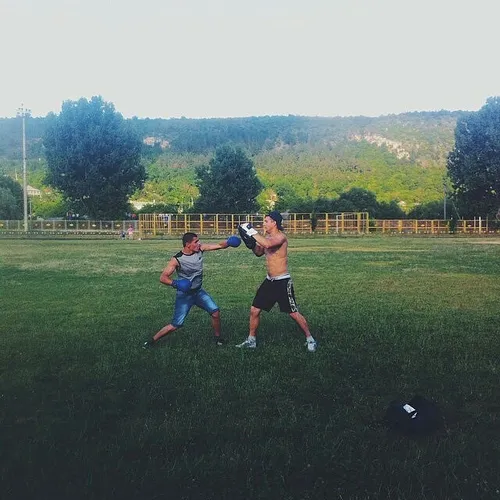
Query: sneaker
[(312, 346), (248, 344), (219, 341), (148, 344)]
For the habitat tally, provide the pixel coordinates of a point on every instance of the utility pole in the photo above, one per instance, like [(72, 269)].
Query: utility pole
[(23, 113), (444, 203)]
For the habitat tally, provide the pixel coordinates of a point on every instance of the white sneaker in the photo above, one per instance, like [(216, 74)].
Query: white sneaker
[(312, 346), (248, 344)]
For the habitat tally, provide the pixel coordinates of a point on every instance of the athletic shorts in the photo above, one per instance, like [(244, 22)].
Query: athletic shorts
[(278, 290), (184, 302)]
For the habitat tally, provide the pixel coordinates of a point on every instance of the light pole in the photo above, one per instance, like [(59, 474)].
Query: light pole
[(445, 187), (23, 113)]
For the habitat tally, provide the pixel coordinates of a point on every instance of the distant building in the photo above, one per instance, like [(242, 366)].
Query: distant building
[(140, 204), (153, 141), (33, 191)]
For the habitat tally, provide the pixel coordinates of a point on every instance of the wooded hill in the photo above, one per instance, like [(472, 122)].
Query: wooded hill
[(397, 157)]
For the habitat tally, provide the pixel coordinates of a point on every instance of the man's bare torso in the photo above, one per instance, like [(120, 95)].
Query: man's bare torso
[(277, 259)]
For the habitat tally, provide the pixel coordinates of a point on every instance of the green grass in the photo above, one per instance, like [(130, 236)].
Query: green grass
[(85, 413)]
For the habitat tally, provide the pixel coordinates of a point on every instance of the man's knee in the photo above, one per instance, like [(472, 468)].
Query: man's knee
[(254, 311), (216, 314)]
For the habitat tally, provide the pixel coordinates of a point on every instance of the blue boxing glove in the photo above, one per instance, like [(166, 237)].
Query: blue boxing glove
[(183, 285), (233, 241)]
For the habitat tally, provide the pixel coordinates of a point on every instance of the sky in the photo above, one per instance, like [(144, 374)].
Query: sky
[(235, 58)]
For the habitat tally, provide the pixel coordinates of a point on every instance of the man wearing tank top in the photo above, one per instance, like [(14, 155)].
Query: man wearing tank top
[(188, 263)]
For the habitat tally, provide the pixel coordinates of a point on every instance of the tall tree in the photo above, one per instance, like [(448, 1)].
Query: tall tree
[(228, 184), (93, 157), (474, 163), (11, 199)]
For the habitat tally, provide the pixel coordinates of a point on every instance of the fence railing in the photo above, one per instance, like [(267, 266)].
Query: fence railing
[(158, 225), (67, 226), (153, 225), (434, 226)]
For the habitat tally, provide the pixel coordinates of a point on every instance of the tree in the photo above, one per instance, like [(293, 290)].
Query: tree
[(11, 199), (93, 157), (474, 162), (357, 200), (228, 184), (433, 210)]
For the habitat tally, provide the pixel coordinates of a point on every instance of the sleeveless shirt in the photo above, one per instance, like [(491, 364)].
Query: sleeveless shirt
[(191, 268)]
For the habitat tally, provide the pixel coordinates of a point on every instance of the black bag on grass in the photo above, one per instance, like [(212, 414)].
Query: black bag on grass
[(418, 417)]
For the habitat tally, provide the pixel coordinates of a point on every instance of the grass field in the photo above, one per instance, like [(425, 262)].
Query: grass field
[(85, 413)]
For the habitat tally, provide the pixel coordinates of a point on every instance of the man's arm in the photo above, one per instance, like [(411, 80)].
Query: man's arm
[(168, 271), (207, 247), (232, 241), (258, 250), (273, 241)]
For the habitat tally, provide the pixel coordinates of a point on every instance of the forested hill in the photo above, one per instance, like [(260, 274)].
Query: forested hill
[(427, 135), (400, 157), (421, 135)]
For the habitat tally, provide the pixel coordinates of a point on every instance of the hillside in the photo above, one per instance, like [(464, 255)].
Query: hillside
[(398, 157)]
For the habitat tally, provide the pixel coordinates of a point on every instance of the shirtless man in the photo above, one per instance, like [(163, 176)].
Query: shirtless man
[(278, 286)]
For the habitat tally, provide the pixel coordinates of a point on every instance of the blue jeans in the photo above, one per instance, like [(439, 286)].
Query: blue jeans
[(184, 302)]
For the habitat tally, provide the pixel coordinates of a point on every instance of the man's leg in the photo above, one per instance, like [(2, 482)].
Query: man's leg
[(158, 335), (251, 341), (207, 303), (183, 304), (164, 331), (301, 321), (254, 321), (216, 323)]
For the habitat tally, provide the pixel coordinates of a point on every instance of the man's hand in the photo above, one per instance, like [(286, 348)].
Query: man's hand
[(183, 285), (246, 232), (233, 241), (248, 228)]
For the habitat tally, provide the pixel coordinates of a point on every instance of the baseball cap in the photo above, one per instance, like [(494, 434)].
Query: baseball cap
[(276, 216)]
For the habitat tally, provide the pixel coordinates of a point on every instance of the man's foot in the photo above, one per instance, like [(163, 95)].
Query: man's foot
[(148, 344), (248, 344), (219, 341), (312, 346)]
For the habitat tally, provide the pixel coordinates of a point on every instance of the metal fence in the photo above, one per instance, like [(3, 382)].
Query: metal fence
[(154, 225), (477, 225), (68, 227), (164, 225)]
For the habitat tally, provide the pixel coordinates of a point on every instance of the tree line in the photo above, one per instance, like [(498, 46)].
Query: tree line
[(94, 161)]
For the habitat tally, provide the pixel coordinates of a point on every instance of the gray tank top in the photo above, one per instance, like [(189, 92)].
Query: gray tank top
[(191, 268)]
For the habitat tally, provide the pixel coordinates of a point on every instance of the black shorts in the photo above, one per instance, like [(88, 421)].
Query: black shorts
[(272, 291)]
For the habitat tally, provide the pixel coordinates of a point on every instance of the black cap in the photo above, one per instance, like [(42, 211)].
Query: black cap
[(276, 216)]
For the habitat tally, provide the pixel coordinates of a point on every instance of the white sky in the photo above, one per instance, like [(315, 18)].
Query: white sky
[(221, 58)]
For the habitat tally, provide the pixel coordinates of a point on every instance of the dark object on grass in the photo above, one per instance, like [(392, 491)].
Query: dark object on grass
[(418, 417)]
